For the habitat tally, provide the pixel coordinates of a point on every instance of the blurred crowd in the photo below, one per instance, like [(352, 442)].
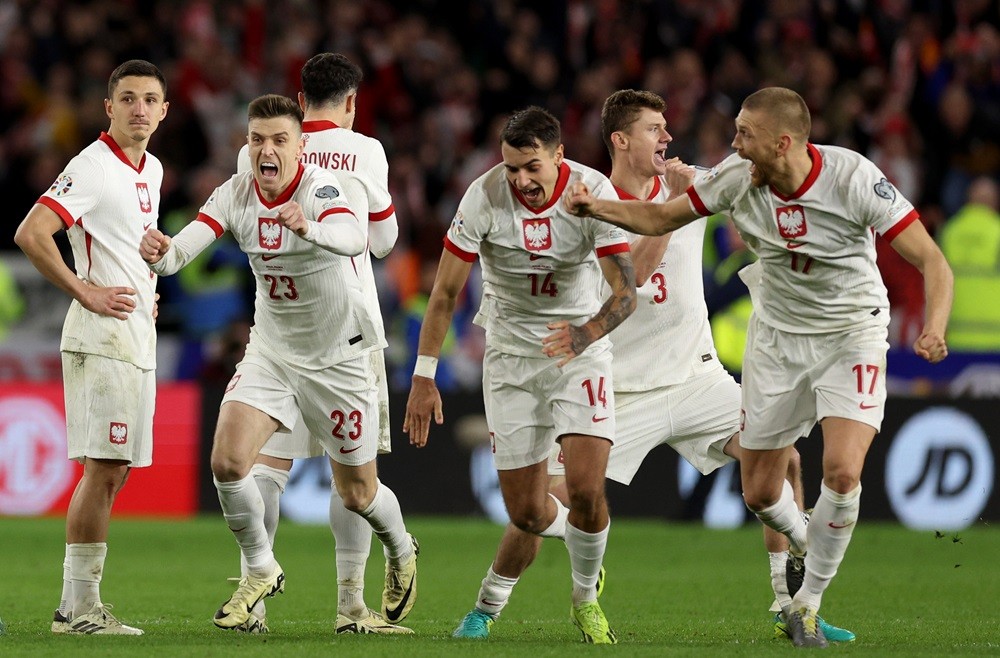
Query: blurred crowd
[(914, 85)]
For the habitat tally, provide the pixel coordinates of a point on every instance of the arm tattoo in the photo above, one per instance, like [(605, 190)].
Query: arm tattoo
[(617, 307)]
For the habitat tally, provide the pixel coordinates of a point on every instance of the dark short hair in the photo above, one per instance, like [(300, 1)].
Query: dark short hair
[(621, 109), (272, 106), (530, 128), (135, 67), (327, 79)]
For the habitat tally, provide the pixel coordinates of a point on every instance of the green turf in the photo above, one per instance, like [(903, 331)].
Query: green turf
[(672, 589)]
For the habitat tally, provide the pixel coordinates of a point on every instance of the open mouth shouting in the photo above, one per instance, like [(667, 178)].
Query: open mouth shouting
[(269, 170)]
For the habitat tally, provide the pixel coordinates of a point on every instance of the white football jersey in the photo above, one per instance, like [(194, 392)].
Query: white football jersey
[(668, 336), (107, 204), (363, 171), (310, 309), (816, 249), (538, 265)]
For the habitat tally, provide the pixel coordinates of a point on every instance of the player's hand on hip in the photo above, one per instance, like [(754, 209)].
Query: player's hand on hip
[(565, 342), (424, 400), (931, 346), (153, 245), (679, 176), (578, 200), (114, 301), (291, 216), (156, 306)]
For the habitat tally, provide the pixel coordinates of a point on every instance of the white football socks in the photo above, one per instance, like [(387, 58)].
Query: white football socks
[(785, 517), (386, 521), (494, 593), (586, 555), (830, 529), (86, 567), (778, 583), (243, 509), (353, 537), (557, 528), (65, 603)]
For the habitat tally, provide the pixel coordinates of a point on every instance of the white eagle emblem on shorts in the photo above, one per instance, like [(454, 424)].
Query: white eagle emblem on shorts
[(269, 235), (791, 221), (118, 434), (537, 235)]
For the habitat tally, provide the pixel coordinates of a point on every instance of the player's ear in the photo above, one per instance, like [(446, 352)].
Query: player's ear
[(619, 140), (560, 150), (108, 108), (302, 101), (163, 111)]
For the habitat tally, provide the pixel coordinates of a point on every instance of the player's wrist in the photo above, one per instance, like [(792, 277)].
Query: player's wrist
[(426, 366)]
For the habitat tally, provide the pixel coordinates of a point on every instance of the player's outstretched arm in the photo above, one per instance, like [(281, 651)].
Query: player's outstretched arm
[(647, 251), (166, 255), (916, 246), (568, 341), (642, 217), (424, 401), (338, 232), (34, 237)]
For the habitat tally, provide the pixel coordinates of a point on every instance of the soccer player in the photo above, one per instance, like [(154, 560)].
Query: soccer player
[(816, 347), (329, 100), (106, 198), (678, 394), (309, 347), (547, 367)]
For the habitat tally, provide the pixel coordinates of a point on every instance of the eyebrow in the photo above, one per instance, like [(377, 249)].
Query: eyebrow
[(283, 133), (526, 164)]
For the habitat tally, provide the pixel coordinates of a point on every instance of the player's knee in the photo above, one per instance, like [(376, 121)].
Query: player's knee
[(229, 468), (531, 519), (841, 479), (357, 497), (758, 500), (587, 500)]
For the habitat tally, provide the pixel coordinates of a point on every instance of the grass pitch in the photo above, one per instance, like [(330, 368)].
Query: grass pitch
[(672, 589)]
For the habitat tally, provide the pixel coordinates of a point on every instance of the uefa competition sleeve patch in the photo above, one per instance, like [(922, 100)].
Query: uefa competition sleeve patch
[(458, 222), (62, 185), (884, 189), (327, 192)]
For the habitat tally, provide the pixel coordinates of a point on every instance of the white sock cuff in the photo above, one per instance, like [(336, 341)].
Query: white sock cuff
[(376, 499), (276, 475), (97, 548), (839, 499), (493, 576), (235, 485), (558, 526)]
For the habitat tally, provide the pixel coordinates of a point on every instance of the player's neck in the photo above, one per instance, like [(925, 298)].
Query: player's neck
[(336, 116), (793, 174), (637, 184), (133, 150)]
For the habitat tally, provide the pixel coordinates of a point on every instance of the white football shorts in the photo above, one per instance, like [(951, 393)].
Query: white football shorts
[(109, 409), (696, 418), (338, 405), (297, 444), (792, 381), (530, 403)]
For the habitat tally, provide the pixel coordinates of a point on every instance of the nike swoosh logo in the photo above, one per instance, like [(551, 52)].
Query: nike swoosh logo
[(270, 257), (794, 245), (145, 227), (492, 603), (865, 407), (534, 257), (838, 527), (393, 615), (238, 529), (347, 452), (597, 420)]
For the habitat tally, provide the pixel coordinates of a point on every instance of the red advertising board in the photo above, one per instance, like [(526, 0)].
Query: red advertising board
[(37, 479)]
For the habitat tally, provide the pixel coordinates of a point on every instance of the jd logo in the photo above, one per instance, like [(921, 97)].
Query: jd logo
[(34, 471), (939, 471)]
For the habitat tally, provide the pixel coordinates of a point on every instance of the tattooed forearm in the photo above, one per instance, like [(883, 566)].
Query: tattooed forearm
[(620, 274)]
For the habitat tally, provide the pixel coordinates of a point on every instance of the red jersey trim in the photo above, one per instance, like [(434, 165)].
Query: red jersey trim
[(817, 160), (699, 205), (336, 211), (285, 196), (458, 251), (89, 241), (316, 126), (625, 196), (120, 154), (901, 225), (385, 214), (557, 191), (613, 249), (211, 223), (57, 208)]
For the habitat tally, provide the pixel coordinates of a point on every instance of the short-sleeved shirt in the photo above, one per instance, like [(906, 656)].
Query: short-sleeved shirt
[(310, 309), (539, 265), (107, 204), (816, 248), (668, 338), (362, 168)]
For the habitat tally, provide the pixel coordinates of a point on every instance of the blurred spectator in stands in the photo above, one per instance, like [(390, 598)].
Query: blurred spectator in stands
[(728, 301), (210, 293), (970, 241)]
